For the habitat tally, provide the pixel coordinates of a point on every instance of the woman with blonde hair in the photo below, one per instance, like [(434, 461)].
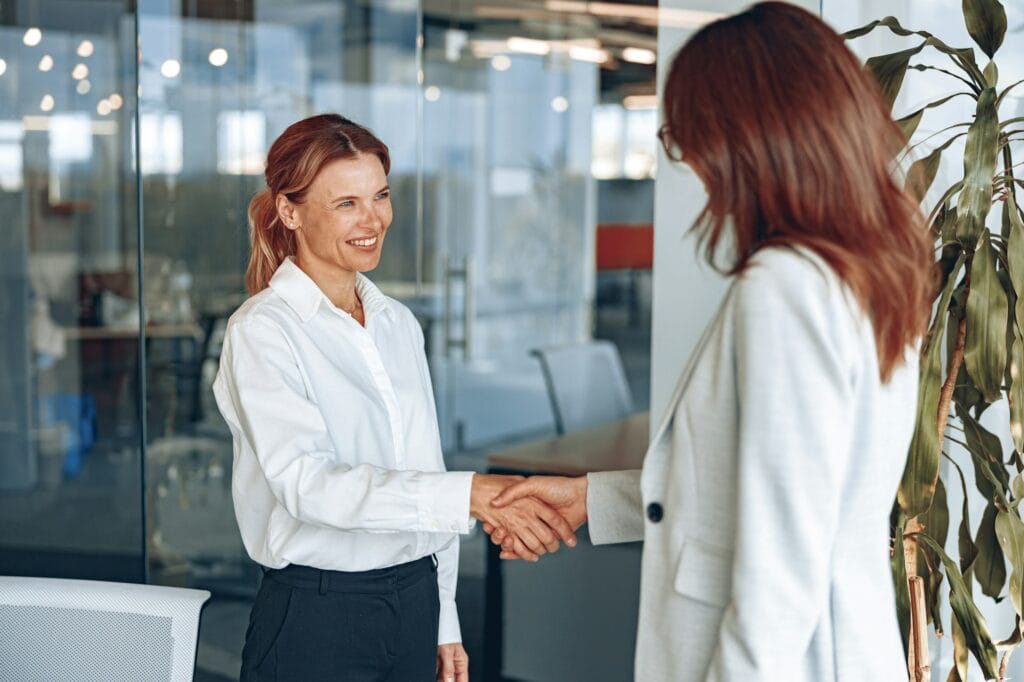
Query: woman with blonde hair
[(339, 483), (764, 498)]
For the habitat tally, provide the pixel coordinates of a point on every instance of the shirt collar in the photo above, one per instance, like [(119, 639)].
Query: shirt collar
[(303, 296)]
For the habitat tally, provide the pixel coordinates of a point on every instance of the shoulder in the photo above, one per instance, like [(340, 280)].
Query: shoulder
[(797, 291), (259, 317), (405, 320), (793, 278)]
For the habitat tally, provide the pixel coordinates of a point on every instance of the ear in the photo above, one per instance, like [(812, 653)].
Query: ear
[(287, 212)]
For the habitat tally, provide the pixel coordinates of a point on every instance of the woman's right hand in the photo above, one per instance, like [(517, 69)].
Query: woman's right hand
[(534, 525)]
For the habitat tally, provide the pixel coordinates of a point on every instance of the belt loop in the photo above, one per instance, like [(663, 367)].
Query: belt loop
[(323, 582)]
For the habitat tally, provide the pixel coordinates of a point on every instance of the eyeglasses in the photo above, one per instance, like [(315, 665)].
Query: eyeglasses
[(672, 150)]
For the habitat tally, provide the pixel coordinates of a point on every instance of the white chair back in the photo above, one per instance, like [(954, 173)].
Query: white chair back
[(586, 384), (56, 629)]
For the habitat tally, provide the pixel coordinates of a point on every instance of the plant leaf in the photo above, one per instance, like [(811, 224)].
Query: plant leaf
[(922, 469), (898, 563), (986, 22), (980, 156), (1006, 91), (936, 523), (991, 73), (987, 310), (1010, 531), (986, 451), (959, 671), (989, 567), (889, 70), (922, 172), (1015, 257), (975, 630), (908, 124), (962, 57)]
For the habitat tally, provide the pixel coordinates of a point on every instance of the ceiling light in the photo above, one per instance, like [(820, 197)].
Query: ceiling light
[(640, 102), (83, 87), (116, 102), (103, 108), (588, 54), (47, 103), (170, 68), (79, 72), (560, 104), (501, 62), (432, 93), (32, 37), (218, 56), (46, 63), (639, 55), (85, 48), (528, 45)]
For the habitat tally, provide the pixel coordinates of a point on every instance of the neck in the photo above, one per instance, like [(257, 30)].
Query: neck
[(337, 284)]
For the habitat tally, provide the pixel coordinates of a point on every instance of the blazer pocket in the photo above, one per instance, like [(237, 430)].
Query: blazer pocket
[(704, 573)]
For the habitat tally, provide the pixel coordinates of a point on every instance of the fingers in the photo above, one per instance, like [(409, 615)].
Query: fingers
[(515, 492), (461, 665), (446, 669), (558, 524)]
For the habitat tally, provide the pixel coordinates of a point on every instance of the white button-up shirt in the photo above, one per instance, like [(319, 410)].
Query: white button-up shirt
[(337, 456)]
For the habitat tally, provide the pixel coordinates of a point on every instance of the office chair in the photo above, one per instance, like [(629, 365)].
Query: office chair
[(56, 629), (586, 384)]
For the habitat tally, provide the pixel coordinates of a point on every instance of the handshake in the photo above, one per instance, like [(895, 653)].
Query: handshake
[(529, 516)]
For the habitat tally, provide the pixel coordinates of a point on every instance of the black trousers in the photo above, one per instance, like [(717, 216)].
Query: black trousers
[(309, 625)]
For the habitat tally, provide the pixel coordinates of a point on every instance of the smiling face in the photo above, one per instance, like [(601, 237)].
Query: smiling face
[(341, 223)]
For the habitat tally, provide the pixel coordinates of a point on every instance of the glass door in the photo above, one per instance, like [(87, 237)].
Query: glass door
[(509, 195)]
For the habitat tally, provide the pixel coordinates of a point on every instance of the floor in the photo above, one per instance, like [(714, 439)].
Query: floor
[(224, 619)]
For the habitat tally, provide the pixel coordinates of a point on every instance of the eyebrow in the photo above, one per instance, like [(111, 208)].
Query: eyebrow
[(386, 188)]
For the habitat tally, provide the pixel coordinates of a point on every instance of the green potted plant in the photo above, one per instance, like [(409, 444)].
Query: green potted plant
[(972, 357)]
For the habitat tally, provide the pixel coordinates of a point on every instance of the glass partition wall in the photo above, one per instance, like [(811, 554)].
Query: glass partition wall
[(71, 387), (132, 136)]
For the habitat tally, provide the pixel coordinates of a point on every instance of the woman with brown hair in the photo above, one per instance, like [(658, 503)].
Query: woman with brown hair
[(765, 495), (338, 482)]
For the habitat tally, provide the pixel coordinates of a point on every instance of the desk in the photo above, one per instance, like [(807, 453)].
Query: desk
[(609, 447)]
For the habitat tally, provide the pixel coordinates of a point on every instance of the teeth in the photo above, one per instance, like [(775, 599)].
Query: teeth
[(364, 242)]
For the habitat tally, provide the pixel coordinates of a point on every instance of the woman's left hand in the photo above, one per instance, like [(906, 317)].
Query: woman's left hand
[(452, 663)]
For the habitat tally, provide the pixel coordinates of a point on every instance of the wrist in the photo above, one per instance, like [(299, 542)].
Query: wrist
[(481, 493)]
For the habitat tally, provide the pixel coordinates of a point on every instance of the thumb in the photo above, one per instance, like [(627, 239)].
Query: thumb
[(514, 492)]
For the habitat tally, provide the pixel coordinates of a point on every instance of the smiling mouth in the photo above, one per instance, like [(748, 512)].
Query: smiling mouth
[(363, 243)]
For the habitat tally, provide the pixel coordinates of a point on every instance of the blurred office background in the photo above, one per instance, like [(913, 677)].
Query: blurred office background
[(132, 135)]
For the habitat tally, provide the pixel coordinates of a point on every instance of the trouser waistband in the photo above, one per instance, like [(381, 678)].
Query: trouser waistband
[(375, 580)]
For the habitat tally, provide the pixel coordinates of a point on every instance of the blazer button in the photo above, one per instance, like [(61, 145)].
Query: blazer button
[(654, 512)]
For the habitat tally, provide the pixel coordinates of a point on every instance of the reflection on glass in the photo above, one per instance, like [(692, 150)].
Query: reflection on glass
[(70, 498)]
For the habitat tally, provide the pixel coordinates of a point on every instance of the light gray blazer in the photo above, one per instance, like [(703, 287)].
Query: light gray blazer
[(774, 470)]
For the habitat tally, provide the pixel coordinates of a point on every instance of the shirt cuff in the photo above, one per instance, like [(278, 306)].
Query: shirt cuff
[(444, 506), (448, 631)]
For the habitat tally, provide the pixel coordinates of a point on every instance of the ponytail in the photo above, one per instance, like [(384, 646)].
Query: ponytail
[(293, 162), (270, 240)]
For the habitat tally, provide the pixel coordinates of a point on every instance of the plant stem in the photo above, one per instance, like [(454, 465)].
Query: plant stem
[(954, 370)]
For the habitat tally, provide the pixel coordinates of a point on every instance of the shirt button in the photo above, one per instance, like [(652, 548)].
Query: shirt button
[(654, 512)]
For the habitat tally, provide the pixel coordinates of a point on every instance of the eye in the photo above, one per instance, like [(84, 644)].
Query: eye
[(384, 195), (346, 203)]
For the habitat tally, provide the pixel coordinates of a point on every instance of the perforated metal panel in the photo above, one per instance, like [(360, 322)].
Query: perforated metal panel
[(85, 630), (46, 643)]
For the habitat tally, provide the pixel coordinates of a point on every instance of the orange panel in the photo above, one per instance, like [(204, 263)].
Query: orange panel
[(625, 247)]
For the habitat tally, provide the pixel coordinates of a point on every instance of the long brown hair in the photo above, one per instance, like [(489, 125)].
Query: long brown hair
[(293, 162), (796, 147)]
